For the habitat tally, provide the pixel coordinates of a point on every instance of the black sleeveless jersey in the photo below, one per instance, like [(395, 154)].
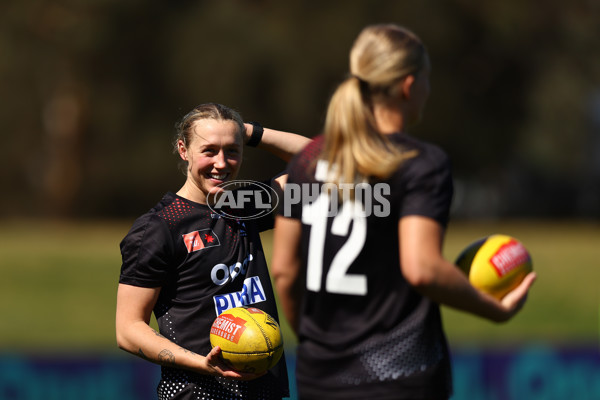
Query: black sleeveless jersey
[(364, 332), (205, 264)]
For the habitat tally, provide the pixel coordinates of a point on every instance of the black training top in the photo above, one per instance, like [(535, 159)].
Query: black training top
[(204, 263), (364, 332)]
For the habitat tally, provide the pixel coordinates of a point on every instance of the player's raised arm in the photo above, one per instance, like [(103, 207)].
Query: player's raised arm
[(280, 143)]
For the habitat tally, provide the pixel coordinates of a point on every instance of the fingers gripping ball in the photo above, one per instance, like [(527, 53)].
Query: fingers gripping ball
[(250, 339), (495, 264)]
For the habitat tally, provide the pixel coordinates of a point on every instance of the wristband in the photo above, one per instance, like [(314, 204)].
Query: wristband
[(257, 132)]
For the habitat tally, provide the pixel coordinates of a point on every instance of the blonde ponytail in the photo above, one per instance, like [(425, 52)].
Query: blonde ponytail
[(353, 148), (352, 143)]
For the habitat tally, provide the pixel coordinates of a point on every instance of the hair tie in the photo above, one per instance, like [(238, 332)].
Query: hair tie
[(364, 85)]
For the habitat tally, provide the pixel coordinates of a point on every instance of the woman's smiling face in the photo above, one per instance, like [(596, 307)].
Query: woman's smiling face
[(214, 155)]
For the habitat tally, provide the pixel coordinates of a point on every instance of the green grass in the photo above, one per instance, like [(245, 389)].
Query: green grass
[(59, 280), (58, 286)]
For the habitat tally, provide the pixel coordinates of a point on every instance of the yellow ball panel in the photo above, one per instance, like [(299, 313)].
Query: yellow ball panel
[(250, 339), (252, 362)]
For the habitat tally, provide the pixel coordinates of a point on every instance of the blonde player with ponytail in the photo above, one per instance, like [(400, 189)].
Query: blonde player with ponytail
[(384, 63), (361, 276)]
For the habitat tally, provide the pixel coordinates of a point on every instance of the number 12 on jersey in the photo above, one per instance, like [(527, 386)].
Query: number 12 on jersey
[(337, 280)]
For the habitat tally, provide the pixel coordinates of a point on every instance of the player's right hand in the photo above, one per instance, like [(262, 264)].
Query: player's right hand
[(216, 365)]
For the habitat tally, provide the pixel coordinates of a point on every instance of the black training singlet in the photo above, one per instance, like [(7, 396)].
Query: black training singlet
[(364, 332), (204, 264)]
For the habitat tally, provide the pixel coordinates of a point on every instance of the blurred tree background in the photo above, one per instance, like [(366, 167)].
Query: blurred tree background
[(91, 91)]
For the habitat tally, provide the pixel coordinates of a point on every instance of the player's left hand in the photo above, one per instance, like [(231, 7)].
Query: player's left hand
[(515, 299)]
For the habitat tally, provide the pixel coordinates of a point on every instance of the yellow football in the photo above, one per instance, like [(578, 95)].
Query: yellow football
[(250, 339), (495, 264)]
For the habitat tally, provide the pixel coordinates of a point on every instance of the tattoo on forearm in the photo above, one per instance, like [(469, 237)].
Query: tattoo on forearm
[(157, 333), (166, 357)]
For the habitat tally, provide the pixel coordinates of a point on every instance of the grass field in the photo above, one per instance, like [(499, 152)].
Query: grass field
[(59, 280)]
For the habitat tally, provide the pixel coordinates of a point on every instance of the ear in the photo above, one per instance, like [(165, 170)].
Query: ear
[(407, 84), (182, 150)]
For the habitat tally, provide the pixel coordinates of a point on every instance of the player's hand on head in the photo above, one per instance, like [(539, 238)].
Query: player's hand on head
[(215, 365)]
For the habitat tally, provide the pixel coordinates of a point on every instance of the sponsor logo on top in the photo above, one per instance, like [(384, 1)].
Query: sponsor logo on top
[(508, 257), (252, 292), (201, 239)]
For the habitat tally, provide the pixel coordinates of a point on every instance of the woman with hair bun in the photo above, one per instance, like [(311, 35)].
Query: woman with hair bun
[(187, 262)]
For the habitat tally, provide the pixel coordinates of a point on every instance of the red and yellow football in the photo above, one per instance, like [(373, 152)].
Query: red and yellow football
[(495, 264), (250, 339)]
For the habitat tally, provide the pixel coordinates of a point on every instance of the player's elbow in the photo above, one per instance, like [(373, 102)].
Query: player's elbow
[(420, 275), (122, 339), (421, 282), (122, 343), (126, 345)]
